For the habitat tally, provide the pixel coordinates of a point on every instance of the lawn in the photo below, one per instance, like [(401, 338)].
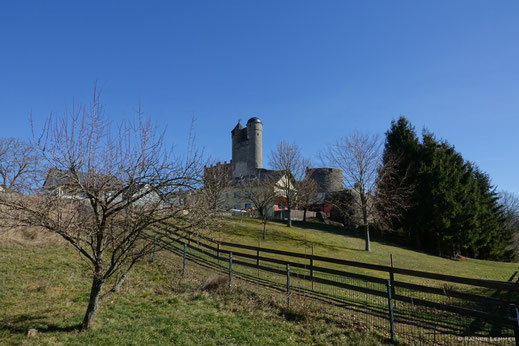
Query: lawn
[(334, 241), (46, 287)]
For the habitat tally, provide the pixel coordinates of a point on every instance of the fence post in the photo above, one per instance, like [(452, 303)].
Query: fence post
[(390, 305), (515, 318), (184, 260), (392, 276), (288, 284), (154, 249), (230, 269), (312, 267), (258, 255)]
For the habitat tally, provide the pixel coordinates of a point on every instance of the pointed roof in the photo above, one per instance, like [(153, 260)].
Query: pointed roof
[(238, 127)]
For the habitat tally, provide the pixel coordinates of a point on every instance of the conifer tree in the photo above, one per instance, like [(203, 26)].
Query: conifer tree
[(456, 210), (400, 152)]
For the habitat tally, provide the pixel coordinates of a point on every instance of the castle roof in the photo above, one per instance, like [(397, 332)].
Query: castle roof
[(238, 127), (253, 120)]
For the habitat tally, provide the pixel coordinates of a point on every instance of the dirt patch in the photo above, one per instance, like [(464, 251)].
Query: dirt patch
[(215, 283), (29, 236)]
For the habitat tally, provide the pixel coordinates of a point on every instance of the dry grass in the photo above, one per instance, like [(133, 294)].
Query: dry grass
[(28, 236)]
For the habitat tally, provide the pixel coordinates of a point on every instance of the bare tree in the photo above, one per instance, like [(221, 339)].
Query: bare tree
[(261, 193), (306, 194), (287, 159), (216, 179), (359, 157), (344, 209), (104, 191), (18, 163), (394, 192), (510, 205)]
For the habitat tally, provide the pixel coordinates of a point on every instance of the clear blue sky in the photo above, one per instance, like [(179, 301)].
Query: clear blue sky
[(311, 70)]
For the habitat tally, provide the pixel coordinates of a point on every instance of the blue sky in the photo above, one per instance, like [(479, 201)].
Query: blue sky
[(311, 70)]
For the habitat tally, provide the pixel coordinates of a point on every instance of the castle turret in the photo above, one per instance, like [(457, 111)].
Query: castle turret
[(255, 134)]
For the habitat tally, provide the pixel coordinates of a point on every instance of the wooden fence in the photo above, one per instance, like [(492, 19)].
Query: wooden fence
[(447, 310)]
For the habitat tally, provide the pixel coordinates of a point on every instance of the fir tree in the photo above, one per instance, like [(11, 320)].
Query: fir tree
[(456, 210)]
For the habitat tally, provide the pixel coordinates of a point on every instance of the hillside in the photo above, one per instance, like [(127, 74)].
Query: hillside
[(334, 241), (47, 288), (46, 284)]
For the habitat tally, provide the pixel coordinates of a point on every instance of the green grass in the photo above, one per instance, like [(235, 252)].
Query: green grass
[(47, 289), (334, 241)]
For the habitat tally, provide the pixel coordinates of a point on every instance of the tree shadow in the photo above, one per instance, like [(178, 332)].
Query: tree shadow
[(329, 228), (337, 229), (22, 323)]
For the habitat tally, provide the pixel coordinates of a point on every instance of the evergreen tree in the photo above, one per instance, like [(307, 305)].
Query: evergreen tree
[(439, 191), (400, 152), (455, 209)]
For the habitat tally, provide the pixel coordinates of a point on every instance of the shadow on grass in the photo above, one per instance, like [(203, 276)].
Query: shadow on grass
[(22, 323), (337, 229), (318, 226)]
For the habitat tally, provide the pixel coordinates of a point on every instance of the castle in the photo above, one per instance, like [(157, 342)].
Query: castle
[(247, 164)]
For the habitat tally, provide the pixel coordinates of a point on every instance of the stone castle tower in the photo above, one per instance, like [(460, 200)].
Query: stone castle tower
[(247, 148)]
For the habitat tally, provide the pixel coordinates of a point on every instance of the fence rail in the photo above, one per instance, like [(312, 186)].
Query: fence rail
[(420, 313)]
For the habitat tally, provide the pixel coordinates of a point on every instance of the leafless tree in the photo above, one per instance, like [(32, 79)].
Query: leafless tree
[(288, 160), (344, 209), (359, 157), (216, 179), (393, 194), (510, 205), (306, 194), (262, 195), (105, 189), (18, 163)]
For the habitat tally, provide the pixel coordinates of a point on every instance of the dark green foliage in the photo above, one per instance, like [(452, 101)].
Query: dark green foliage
[(401, 152), (454, 209)]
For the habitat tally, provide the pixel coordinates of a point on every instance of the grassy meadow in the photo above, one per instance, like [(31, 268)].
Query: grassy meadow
[(334, 241), (47, 287)]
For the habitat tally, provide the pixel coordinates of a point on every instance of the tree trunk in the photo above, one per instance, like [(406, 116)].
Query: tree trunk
[(304, 215), (368, 243), (93, 303), (289, 221), (264, 226)]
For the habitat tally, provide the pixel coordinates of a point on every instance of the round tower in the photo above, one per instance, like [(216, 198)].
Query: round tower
[(255, 136), (327, 179)]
